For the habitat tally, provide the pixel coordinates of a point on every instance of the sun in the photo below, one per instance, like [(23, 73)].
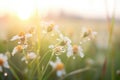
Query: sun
[(24, 9), (23, 14)]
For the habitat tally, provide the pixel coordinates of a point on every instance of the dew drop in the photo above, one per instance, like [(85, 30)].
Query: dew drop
[(5, 74)]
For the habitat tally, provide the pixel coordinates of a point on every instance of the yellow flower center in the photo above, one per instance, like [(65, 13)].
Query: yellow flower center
[(75, 49), (21, 34), (1, 62), (19, 47), (50, 27), (59, 66)]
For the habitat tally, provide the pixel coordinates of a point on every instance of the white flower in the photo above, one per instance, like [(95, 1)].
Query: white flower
[(59, 67), (69, 50), (73, 50), (18, 48), (64, 40), (21, 36), (29, 56), (88, 32), (15, 38), (3, 62), (50, 26)]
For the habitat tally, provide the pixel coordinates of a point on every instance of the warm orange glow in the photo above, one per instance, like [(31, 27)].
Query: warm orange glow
[(86, 8), (24, 9), (23, 14)]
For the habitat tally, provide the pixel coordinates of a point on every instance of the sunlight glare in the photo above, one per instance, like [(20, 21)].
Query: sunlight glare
[(24, 9)]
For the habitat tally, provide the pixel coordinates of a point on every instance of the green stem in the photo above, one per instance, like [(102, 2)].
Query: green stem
[(43, 57), (47, 64), (75, 72), (14, 73), (110, 43)]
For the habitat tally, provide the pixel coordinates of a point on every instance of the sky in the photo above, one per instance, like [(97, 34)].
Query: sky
[(85, 8)]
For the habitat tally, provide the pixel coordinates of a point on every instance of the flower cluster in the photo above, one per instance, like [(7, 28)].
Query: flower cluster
[(88, 33), (35, 57), (66, 46), (22, 38)]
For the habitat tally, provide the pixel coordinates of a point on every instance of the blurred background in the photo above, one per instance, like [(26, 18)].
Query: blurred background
[(72, 15)]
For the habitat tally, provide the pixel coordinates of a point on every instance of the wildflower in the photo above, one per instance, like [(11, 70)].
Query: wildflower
[(73, 50), (59, 67), (50, 27), (64, 40), (88, 32), (29, 56), (18, 48), (21, 36), (59, 49), (3, 62)]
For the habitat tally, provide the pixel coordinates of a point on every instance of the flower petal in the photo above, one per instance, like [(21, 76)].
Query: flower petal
[(60, 73)]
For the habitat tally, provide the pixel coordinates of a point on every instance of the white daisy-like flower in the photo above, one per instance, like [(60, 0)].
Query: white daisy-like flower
[(73, 50), (49, 27), (21, 36), (18, 48), (3, 62), (59, 67), (64, 40), (52, 27), (29, 56), (88, 32)]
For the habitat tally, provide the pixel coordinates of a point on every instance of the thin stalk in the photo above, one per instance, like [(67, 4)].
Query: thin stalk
[(111, 23), (75, 72), (47, 64), (14, 73), (38, 37), (43, 57)]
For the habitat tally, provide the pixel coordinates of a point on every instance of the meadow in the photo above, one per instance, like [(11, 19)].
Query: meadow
[(38, 49)]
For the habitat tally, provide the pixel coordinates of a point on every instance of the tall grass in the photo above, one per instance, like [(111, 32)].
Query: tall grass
[(109, 61)]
